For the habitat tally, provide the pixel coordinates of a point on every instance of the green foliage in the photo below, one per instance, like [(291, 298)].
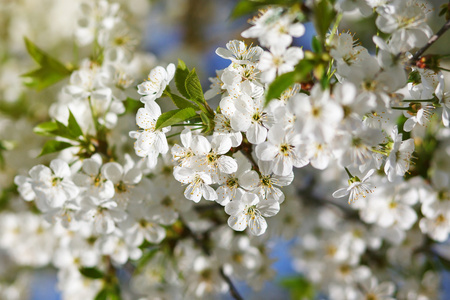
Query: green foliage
[(74, 128), (146, 257), (5, 145), (174, 116), (181, 74), (131, 105), (208, 122), (324, 15), (246, 7), (445, 10), (50, 71), (299, 288), (92, 273), (46, 128), (316, 45), (414, 77), (55, 128), (300, 74), (180, 102), (189, 86), (109, 293), (54, 146), (279, 85), (194, 88)]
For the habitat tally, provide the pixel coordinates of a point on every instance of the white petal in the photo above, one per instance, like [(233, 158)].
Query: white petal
[(266, 151), (209, 193), (234, 207), (341, 193), (193, 193), (227, 164), (113, 171), (238, 223), (257, 225), (60, 168), (256, 134), (268, 208), (249, 180)]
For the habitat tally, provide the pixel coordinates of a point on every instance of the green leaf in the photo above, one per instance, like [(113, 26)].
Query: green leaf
[(180, 102), (325, 83), (324, 15), (444, 9), (181, 74), (5, 145), (194, 88), (56, 128), (65, 132), (281, 83), (207, 121), (50, 71), (102, 295), (131, 105), (414, 77), (73, 126), (316, 46), (299, 287), (93, 273), (174, 117), (54, 146), (146, 257), (46, 128), (246, 7)]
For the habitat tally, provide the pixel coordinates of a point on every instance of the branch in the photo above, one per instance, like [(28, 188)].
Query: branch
[(431, 41), (233, 291)]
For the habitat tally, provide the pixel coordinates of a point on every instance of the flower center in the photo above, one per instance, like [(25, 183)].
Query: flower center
[(121, 187), (265, 181), (232, 182), (285, 149)]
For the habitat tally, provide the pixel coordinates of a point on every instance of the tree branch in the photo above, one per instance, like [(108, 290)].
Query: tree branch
[(431, 41), (233, 291), (199, 241)]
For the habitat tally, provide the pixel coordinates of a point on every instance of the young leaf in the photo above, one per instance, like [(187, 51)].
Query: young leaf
[(132, 105), (50, 71), (245, 7), (73, 126), (5, 145), (316, 46), (174, 116), (301, 73), (93, 273), (146, 257), (102, 295), (65, 132), (46, 128), (181, 74), (207, 121), (279, 85), (54, 146), (194, 88), (324, 15), (299, 287), (180, 102)]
